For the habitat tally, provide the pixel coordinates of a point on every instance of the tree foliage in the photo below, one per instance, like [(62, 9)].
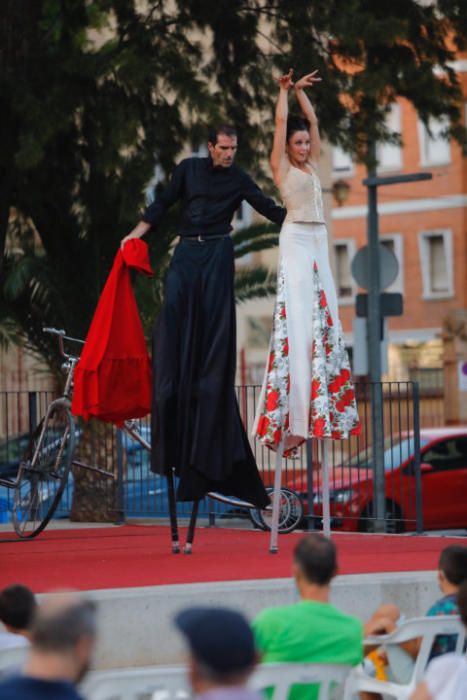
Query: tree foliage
[(93, 93)]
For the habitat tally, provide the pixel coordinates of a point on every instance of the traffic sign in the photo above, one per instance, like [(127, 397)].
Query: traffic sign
[(388, 265), (391, 304)]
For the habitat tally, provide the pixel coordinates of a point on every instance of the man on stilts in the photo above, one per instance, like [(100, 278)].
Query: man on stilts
[(197, 432)]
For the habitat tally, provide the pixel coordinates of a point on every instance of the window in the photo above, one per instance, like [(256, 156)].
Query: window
[(341, 161), (447, 455), (259, 330), (437, 264), (394, 243), (434, 148), (390, 154), (343, 253), (243, 219)]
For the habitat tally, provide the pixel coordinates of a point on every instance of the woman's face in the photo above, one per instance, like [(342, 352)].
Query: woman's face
[(298, 147)]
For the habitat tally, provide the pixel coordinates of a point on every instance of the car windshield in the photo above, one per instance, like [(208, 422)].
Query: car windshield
[(396, 451)]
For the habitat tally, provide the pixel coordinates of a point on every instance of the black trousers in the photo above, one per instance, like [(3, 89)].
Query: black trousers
[(196, 425)]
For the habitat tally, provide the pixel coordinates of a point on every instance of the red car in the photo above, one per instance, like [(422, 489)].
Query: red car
[(443, 476)]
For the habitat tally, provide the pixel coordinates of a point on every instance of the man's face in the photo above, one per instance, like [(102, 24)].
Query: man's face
[(223, 151)]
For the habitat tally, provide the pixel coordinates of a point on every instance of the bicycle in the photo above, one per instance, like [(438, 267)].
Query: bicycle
[(43, 474)]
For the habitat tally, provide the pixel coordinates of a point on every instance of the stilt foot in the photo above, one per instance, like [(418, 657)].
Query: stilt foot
[(273, 550), (187, 549), (176, 548)]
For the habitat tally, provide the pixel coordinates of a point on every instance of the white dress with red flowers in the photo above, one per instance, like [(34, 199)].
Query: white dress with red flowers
[(307, 389)]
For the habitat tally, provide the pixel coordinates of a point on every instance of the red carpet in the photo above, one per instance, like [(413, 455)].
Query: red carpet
[(132, 555)]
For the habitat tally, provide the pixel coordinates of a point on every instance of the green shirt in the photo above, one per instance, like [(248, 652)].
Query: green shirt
[(308, 632)]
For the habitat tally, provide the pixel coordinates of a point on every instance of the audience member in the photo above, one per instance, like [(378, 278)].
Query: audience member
[(222, 653), (17, 609), (62, 640), (452, 571), (446, 676), (311, 630)]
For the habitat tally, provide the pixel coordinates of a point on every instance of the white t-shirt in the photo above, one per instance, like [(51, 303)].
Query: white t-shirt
[(446, 677), (8, 640)]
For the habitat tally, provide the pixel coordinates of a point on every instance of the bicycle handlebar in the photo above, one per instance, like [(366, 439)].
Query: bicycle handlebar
[(61, 337)]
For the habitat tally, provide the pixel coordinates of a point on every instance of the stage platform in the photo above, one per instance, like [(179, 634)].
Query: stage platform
[(139, 584)]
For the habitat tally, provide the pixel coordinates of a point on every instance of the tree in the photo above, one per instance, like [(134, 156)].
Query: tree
[(93, 93)]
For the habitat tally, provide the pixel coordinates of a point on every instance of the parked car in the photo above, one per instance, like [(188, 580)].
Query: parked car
[(11, 453), (443, 467), (144, 493)]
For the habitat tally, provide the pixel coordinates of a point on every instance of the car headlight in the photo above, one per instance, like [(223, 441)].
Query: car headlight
[(335, 495)]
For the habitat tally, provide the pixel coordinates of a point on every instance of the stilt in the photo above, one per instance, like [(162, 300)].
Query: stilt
[(273, 548), (325, 486), (173, 513), (191, 528)]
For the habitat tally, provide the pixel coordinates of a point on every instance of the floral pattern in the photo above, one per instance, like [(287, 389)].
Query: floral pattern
[(333, 409)]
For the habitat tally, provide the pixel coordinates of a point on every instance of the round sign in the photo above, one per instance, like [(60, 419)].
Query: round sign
[(388, 265)]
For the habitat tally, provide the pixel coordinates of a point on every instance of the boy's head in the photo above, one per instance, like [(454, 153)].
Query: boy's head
[(452, 566), (315, 560), (17, 608)]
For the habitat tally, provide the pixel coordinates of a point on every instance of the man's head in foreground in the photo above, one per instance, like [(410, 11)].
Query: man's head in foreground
[(314, 564), (62, 639), (17, 609), (221, 644)]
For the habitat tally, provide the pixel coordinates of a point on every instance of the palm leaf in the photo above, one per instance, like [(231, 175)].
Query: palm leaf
[(254, 283)]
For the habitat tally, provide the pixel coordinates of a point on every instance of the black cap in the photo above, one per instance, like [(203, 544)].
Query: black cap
[(220, 638)]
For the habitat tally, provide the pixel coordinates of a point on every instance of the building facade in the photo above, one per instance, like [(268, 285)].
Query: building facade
[(424, 224)]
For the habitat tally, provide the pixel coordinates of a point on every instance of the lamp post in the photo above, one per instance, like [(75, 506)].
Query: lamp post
[(374, 328)]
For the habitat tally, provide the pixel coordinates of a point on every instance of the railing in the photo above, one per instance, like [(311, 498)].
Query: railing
[(138, 493)]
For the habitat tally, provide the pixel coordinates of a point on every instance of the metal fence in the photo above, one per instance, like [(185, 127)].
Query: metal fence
[(135, 492)]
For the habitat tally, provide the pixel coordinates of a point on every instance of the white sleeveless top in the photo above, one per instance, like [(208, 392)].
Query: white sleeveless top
[(301, 194)]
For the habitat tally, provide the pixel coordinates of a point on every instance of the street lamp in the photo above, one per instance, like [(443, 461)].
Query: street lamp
[(340, 191)]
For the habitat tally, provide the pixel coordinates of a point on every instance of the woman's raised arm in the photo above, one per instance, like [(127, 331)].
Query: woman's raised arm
[(308, 111), (280, 131)]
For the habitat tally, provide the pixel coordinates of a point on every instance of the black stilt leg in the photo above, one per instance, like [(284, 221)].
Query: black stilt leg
[(191, 528), (173, 514)]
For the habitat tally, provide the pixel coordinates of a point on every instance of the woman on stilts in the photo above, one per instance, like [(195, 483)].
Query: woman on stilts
[(307, 389)]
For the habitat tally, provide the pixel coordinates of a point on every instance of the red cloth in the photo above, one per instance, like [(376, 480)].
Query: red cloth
[(113, 377)]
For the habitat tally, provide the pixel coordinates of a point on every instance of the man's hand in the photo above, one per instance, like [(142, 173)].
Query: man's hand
[(285, 81), (307, 81), (137, 232)]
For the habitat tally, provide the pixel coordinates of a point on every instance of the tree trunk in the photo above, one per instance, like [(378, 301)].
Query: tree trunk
[(95, 494)]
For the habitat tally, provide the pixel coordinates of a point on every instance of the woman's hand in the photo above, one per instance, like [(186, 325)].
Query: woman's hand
[(285, 81), (307, 81)]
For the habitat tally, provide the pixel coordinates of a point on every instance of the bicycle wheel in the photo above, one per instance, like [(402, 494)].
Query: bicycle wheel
[(43, 475), (290, 512)]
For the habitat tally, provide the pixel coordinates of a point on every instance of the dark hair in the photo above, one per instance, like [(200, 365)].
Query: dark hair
[(296, 124), (215, 131), (462, 601), (59, 630), (453, 563), (316, 556), (17, 607)]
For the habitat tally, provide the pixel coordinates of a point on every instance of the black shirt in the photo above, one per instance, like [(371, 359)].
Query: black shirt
[(210, 198)]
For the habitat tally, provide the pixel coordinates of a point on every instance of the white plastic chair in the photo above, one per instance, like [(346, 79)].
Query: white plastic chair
[(281, 677), (142, 683), (425, 627)]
